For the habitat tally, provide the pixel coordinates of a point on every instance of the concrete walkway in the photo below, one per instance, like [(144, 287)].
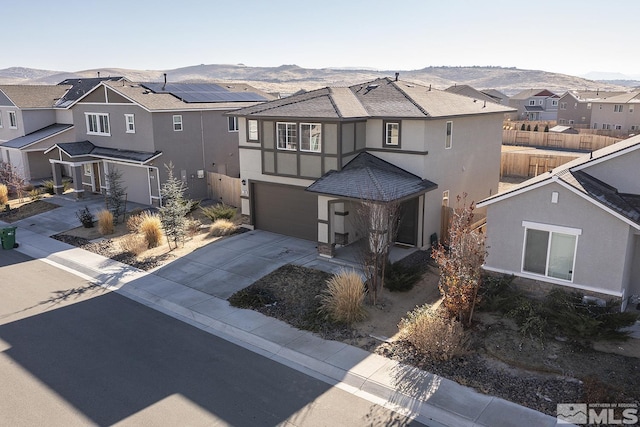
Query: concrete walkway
[(194, 289)]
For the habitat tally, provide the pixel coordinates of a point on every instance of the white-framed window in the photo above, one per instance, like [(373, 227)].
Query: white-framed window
[(571, 122), (618, 108), (311, 137), (449, 137), (13, 120), (445, 198), (595, 125), (588, 106), (618, 127), (177, 122), (87, 169), (563, 105), (130, 123), (97, 124), (252, 130), (392, 133), (540, 101), (606, 126), (554, 102), (562, 121), (232, 123), (287, 136), (549, 250), (532, 102), (631, 108)]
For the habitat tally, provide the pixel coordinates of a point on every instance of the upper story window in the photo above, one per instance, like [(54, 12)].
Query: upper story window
[(630, 109), (563, 105), (617, 108), (177, 123), (392, 133), (554, 103), (449, 138), (130, 123), (540, 101), (588, 106), (97, 124), (232, 124), (532, 102), (311, 137), (252, 130), (13, 120), (287, 136)]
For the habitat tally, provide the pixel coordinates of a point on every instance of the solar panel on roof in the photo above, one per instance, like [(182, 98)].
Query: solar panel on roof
[(202, 92)]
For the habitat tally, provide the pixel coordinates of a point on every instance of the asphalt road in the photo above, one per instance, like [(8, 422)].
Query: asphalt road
[(74, 354)]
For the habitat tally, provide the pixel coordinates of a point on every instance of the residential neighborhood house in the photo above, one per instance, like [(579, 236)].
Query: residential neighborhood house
[(534, 105), (575, 227), (575, 106), (306, 161), (478, 95)]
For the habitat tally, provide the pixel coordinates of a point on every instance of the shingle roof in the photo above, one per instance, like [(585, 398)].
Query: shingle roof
[(39, 135), (34, 96), (525, 94), (471, 92), (378, 98), (593, 95), (165, 101), (86, 148), (371, 178), (79, 87), (494, 93)]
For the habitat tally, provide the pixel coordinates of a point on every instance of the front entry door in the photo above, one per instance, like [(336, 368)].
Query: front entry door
[(407, 229)]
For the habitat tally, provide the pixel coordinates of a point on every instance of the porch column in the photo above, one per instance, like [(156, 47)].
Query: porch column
[(77, 174), (58, 186), (326, 246)]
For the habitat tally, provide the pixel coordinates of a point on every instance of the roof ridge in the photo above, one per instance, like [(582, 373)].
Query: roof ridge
[(406, 95), (275, 101), (335, 106)]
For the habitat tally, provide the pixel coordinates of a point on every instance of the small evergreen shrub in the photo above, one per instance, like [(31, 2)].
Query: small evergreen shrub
[(433, 333), (400, 278), (4, 195), (35, 194), (343, 299), (66, 184), (219, 211), (151, 228), (133, 243), (222, 227), (49, 187), (105, 222), (86, 217)]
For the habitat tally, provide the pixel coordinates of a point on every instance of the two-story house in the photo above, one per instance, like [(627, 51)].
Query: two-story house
[(535, 105), (140, 128), (575, 106), (306, 161), (617, 113)]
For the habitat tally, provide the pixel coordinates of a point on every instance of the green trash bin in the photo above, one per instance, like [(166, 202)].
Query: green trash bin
[(8, 237)]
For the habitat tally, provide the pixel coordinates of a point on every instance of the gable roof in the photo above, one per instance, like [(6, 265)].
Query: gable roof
[(80, 87), (591, 95), (369, 177), (466, 90), (34, 96), (86, 148), (383, 97), (496, 94), (573, 176), (37, 136), (526, 94)]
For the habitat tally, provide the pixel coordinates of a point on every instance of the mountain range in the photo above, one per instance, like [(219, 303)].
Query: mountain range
[(287, 79)]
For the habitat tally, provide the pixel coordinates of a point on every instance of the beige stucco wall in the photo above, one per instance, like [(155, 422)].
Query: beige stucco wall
[(622, 172), (601, 263)]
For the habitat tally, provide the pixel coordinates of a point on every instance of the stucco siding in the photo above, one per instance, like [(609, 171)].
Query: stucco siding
[(622, 172), (37, 119), (600, 255), (136, 180)]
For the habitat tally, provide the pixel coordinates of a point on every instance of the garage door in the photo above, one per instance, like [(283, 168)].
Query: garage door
[(285, 210)]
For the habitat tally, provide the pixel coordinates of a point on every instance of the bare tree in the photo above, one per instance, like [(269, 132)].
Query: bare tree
[(10, 176), (461, 263)]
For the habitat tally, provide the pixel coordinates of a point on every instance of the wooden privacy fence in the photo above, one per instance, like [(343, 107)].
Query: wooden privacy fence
[(561, 141), (530, 163), (224, 188)]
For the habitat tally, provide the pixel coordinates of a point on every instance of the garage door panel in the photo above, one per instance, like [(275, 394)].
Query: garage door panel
[(285, 210)]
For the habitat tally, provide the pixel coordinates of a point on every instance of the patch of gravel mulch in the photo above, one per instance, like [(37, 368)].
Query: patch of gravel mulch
[(27, 210), (109, 249)]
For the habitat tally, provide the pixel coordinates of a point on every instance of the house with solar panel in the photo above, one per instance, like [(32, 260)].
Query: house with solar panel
[(34, 117), (307, 160), (138, 128)]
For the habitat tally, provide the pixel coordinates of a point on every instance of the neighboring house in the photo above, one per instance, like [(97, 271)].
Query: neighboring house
[(618, 113), (469, 91), (575, 106), (139, 128), (498, 96), (535, 104), (307, 160), (34, 117), (577, 226)]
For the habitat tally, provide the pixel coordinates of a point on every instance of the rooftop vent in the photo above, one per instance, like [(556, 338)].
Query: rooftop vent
[(372, 86)]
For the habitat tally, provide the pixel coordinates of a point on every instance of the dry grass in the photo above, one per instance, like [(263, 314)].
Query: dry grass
[(133, 243), (133, 222), (222, 227), (343, 300), (151, 228), (105, 222), (432, 333), (4, 194)]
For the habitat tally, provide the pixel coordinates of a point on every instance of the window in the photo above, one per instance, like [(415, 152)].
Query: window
[(311, 137), (549, 250), (554, 103), (588, 106), (595, 125), (618, 127), (448, 141), (13, 120), (87, 169), (532, 102), (562, 121), (233, 124), (575, 105), (631, 108), (252, 130), (540, 102), (97, 124), (617, 108), (606, 126), (287, 136), (445, 198), (130, 123), (177, 123), (563, 105), (571, 122), (392, 133)]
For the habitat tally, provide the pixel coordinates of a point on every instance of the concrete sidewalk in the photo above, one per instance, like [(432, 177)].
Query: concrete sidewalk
[(235, 262)]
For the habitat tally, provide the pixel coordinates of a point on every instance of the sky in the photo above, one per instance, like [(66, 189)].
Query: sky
[(566, 36)]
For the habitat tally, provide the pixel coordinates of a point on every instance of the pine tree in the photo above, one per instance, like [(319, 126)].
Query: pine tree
[(174, 208), (116, 197)]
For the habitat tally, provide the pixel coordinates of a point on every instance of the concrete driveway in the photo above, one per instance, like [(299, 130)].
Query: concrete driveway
[(233, 263)]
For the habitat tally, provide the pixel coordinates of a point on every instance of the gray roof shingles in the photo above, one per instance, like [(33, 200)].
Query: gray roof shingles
[(371, 178), (86, 148), (39, 135)]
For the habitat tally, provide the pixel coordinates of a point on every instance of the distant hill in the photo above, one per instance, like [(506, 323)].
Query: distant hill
[(291, 78)]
